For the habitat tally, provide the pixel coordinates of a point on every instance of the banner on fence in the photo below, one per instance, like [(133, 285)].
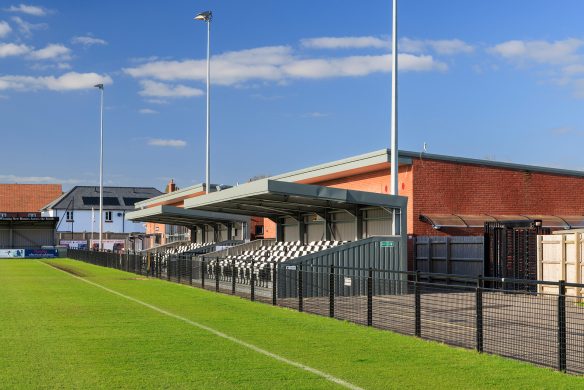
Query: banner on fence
[(74, 244), (40, 253), (109, 245), (12, 253)]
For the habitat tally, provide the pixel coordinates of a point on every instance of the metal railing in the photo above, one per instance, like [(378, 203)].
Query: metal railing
[(507, 317)]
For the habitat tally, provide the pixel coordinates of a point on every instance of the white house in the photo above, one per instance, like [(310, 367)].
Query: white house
[(78, 209)]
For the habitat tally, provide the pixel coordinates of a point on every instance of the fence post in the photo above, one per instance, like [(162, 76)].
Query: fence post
[(332, 292), (159, 260), (252, 283), (217, 274), (178, 268), (191, 270), (479, 313), (233, 276), (203, 272), (300, 291), (562, 326), (417, 301), (274, 285), (370, 297)]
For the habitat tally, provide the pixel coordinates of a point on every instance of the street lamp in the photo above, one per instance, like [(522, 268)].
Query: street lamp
[(206, 17), (100, 87)]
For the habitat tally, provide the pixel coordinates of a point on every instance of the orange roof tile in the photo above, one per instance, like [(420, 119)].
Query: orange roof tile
[(23, 198)]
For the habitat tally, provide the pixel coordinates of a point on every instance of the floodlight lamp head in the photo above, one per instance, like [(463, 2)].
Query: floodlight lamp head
[(205, 16), (100, 86)]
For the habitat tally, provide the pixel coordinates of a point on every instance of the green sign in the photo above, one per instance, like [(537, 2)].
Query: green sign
[(387, 244)]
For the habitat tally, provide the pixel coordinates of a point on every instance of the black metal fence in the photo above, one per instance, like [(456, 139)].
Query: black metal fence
[(506, 317)]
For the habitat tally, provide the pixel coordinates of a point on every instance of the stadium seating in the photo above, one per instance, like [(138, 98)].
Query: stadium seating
[(265, 258), (182, 248)]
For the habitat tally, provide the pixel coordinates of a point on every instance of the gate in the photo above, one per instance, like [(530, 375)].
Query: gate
[(511, 249)]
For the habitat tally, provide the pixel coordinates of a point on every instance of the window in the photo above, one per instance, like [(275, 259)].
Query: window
[(69, 216), (108, 216), (259, 229), (3, 215)]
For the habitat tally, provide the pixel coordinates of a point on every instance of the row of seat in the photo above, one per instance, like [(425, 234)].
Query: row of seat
[(182, 248), (266, 257)]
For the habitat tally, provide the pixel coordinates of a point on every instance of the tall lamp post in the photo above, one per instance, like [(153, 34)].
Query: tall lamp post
[(100, 87), (394, 148), (206, 17)]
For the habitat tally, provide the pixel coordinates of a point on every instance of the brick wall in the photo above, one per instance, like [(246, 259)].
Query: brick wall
[(443, 187), (24, 198)]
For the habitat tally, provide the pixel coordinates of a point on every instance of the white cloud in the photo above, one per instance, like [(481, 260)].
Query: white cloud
[(28, 9), (67, 82), (345, 42), (578, 86), (55, 52), (573, 69), (442, 46), (38, 179), (156, 89), (88, 41), (11, 49), (52, 51), (543, 52), (562, 130), (147, 111), (228, 68), (46, 66), (277, 63), (26, 28), (5, 29), (359, 66), (315, 114), (172, 143), (157, 101)]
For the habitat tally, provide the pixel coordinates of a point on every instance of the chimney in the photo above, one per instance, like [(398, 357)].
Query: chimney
[(170, 187)]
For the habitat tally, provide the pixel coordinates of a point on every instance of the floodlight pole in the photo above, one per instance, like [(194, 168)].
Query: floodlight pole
[(208, 175), (394, 147), (206, 17), (100, 86)]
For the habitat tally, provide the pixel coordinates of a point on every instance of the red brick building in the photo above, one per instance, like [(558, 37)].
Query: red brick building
[(446, 195), (447, 188)]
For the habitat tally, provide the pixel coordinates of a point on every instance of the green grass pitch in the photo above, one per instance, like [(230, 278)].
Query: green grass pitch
[(58, 332)]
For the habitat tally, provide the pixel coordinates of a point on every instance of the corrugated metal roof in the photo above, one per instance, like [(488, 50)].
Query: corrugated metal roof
[(171, 215), (273, 198)]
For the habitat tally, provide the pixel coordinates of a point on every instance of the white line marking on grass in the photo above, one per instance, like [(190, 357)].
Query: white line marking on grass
[(282, 359)]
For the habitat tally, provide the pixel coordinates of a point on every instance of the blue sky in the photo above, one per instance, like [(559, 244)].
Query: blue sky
[(295, 83)]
